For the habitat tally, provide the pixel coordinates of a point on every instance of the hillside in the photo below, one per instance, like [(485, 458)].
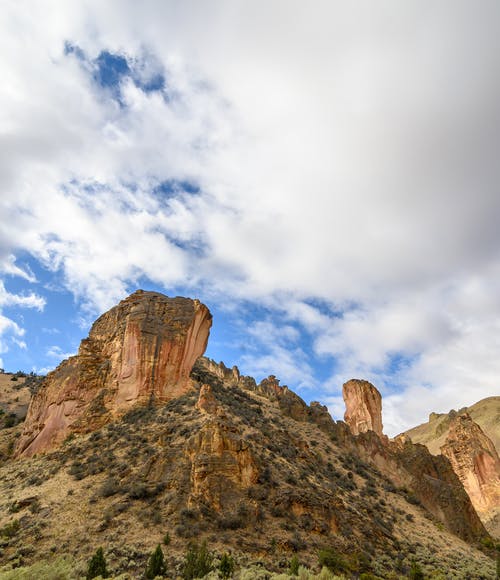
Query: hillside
[(469, 439), (486, 413), (248, 467)]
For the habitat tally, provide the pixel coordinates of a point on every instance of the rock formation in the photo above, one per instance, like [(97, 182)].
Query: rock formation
[(435, 485), (363, 407), (207, 403), (430, 479), (486, 413), (222, 463), (140, 352), (475, 460)]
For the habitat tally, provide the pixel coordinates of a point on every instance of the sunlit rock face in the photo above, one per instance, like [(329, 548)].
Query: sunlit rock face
[(141, 351), (475, 460), (363, 407)]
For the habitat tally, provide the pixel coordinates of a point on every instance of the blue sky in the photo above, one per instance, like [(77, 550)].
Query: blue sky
[(330, 191)]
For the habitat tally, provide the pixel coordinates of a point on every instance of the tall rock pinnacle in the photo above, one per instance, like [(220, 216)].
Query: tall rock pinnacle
[(140, 351), (363, 407)]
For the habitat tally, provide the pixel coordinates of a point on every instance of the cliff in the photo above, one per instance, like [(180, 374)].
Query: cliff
[(475, 460), (139, 352)]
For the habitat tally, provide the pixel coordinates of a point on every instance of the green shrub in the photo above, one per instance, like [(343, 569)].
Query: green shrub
[(97, 565), (10, 529), (156, 564), (197, 562), (60, 569), (331, 559), (294, 566), (226, 566), (415, 571)]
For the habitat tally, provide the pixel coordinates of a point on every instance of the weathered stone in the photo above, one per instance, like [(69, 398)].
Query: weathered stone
[(207, 403), (139, 352), (222, 463), (475, 460), (363, 407), (429, 479), (290, 403)]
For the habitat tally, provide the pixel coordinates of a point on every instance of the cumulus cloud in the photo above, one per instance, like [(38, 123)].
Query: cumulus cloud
[(56, 353), (10, 331), (283, 356), (340, 169)]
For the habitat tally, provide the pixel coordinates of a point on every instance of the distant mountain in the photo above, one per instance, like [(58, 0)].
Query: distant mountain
[(139, 441)]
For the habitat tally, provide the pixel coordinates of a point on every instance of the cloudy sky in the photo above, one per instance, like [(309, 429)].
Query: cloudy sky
[(323, 175)]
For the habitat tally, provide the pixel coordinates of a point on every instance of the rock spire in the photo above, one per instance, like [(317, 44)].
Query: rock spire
[(363, 407)]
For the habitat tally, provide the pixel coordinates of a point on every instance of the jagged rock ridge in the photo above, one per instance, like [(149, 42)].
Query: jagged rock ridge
[(141, 351), (431, 480), (228, 448), (467, 437)]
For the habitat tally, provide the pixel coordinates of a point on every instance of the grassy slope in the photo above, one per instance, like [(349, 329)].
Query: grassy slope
[(486, 413)]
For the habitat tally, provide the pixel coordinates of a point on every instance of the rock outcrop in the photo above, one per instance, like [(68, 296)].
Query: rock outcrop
[(290, 403), (141, 351), (207, 403), (222, 463), (435, 485), (486, 413), (475, 460), (363, 407), (428, 479)]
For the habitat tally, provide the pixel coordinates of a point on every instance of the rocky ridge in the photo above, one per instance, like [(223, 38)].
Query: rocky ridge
[(247, 465), (466, 437)]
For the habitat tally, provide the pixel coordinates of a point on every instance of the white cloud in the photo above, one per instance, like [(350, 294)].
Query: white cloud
[(57, 353), (30, 300), (10, 331), (348, 157), (274, 350)]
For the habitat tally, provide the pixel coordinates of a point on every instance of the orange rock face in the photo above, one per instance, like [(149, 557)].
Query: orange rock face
[(475, 460), (221, 463), (141, 351), (363, 407)]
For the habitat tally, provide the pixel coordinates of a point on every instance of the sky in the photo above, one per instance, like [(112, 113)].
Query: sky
[(323, 175)]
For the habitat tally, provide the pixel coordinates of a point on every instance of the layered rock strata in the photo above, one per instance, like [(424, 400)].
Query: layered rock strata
[(141, 351)]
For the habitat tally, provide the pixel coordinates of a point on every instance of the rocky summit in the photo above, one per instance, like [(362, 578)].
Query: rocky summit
[(139, 442), (141, 351)]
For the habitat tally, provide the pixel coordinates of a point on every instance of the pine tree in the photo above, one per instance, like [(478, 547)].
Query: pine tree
[(97, 565), (156, 564), (197, 562)]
